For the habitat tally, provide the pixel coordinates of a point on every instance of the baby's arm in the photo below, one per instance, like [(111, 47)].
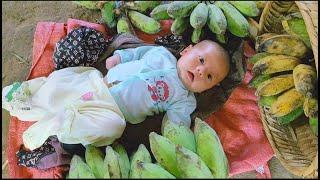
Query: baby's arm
[(126, 55)]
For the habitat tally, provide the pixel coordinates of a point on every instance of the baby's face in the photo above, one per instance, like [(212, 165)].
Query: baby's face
[(201, 67)]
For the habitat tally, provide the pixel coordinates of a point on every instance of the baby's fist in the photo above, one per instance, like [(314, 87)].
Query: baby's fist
[(112, 61)]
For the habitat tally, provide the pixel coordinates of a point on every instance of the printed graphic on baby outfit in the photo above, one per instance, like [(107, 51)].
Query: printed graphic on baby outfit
[(160, 91)]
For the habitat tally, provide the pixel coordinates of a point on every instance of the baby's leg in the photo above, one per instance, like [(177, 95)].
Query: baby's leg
[(16, 98)]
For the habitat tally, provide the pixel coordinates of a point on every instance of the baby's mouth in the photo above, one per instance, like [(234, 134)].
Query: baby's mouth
[(190, 76)]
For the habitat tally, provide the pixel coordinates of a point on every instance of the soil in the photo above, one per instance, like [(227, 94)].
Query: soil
[(19, 20)]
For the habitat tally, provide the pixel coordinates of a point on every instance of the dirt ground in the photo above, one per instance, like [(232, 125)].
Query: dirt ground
[(19, 20)]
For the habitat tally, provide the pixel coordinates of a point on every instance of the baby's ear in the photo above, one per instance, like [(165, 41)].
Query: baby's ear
[(187, 49)]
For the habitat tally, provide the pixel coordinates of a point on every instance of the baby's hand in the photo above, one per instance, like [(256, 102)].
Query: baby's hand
[(112, 61)]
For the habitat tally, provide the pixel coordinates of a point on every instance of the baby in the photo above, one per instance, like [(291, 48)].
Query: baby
[(79, 105)]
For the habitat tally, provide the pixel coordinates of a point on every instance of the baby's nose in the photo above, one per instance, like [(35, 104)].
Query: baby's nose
[(201, 71)]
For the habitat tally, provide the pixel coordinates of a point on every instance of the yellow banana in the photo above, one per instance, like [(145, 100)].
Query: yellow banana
[(286, 103), (179, 134), (275, 85), (94, 158), (310, 107), (150, 170), (210, 149), (191, 165), (123, 159), (305, 78), (141, 155), (274, 63), (111, 161)]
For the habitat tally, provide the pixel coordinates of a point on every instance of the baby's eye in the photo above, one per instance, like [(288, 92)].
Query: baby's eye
[(201, 60), (209, 77)]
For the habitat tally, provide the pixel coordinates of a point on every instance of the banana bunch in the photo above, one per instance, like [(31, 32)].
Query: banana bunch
[(218, 16), (283, 79)]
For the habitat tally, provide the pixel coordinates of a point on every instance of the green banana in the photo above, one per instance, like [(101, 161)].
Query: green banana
[(124, 162), (256, 81), (199, 16), (160, 12), (179, 135), (286, 119), (164, 152), (210, 149), (94, 158), (150, 170), (108, 14), (179, 25), (191, 165), (144, 23), (181, 9), (217, 21), (79, 169), (141, 155), (236, 22), (313, 122), (255, 58), (248, 8), (124, 26), (196, 35), (111, 161), (267, 100), (222, 38), (142, 6)]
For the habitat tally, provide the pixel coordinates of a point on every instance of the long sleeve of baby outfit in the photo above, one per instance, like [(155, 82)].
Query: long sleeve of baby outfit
[(75, 105), (132, 54)]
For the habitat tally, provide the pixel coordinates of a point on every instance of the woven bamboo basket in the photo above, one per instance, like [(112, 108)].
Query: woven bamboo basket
[(294, 145)]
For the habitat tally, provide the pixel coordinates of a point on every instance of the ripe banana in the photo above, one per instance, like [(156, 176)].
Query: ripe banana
[(248, 8), (275, 85), (199, 15), (179, 25), (261, 38), (284, 44), (111, 161), (256, 81), (286, 103), (123, 159), (141, 155), (236, 22), (79, 169), (196, 35), (217, 21), (274, 63), (149, 170), (181, 9), (164, 152), (191, 165), (179, 135), (310, 107), (144, 23), (94, 158), (255, 58), (286, 119), (108, 13), (160, 12), (305, 78), (142, 6), (210, 150)]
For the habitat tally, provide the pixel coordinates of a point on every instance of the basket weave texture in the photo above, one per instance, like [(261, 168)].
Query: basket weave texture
[(294, 145)]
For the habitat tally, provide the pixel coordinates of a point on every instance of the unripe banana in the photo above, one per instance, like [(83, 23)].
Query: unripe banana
[(141, 155), (196, 35), (310, 107), (199, 16), (210, 149), (191, 165), (222, 38), (248, 8), (284, 44), (87, 4), (255, 58), (296, 27), (313, 122), (267, 100), (256, 81), (142, 6), (160, 12), (181, 9), (123, 159), (275, 63), (286, 119), (286, 103), (179, 134), (217, 22), (94, 158), (305, 78), (164, 152), (79, 169), (111, 161), (149, 170), (179, 25), (108, 13), (237, 24), (275, 85), (144, 23)]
